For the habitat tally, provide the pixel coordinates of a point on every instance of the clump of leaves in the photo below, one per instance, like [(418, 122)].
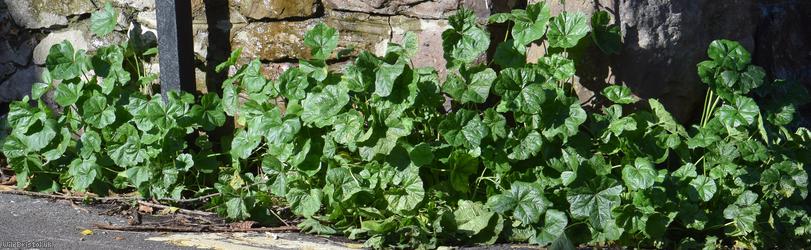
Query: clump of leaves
[(370, 152), (107, 132)]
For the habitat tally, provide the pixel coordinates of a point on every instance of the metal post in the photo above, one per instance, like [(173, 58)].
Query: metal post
[(175, 46)]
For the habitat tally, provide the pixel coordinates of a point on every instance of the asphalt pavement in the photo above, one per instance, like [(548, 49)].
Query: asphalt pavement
[(27, 223), (41, 223)]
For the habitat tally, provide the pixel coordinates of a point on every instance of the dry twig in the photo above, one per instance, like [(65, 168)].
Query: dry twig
[(196, 228), (179, 210)]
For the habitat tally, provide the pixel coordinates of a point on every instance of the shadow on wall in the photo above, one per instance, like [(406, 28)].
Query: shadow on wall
[(783, 43), (16, 65), (664, 40), (219, 48)]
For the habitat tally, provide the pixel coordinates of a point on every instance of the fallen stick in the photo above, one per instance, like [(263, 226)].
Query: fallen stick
[(127, 199), (150, 228), (191, 200), (65, 197), (179, 210), (204, 228)]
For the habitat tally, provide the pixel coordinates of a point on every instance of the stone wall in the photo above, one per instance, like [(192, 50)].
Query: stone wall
[(270, 30), (662, 39)]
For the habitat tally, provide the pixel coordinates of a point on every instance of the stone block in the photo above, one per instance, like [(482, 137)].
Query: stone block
[(140, 5), (274, 41), (276, 9), (37, 14), (74, 36), (414, 8)]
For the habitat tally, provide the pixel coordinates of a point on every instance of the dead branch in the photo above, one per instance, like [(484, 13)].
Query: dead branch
[(179, 210), (199, 228)]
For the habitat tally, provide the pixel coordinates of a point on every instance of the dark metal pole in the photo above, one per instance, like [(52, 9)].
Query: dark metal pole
[(175, 46)]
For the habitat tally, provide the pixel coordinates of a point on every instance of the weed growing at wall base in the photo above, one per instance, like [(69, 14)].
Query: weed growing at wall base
[(371, 153)]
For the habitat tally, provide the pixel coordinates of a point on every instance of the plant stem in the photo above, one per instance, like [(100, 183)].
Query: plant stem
[(704, 110)]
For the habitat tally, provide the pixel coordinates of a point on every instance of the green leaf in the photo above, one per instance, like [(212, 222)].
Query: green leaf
[(686, 171), (656, 225), (421, 154), (465, 41), (343, 183), (557, 67), (478, 86), (293, 84), (531, 98), (525, 199), (150, 51), (501, 203), (160, 114), (752, 151), (312, 226), (406, 192), (230, 99), (103, 22), (68, 93), (530, 25), (562, 243), (304, 203), (243, 144), (619, 94), (39, 89), (64, 63), (564, 120), (410, 44), (252, 78), (706, 71), (61, 147), (472, 217), (38, 140), (232, 59), (529, 146), (567, 29), (462, 165), (128, 154), (499, 17), (97, 113), (321, 40), (84, 173), (665, 118), (385, 77), (236, 208), (729, 54), (496, 122), (742, 112), (607, 37), (641, 175), (348, 127), (743, 213), (703, 139), (137, 175), (729, 78), (595, 201), (91, 143), (751, 79), (509, 56), (623, 124), (463, 128), (321, 108), (785, 178), (704, 186), (212, 115), (554, 226), (184, 162)]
